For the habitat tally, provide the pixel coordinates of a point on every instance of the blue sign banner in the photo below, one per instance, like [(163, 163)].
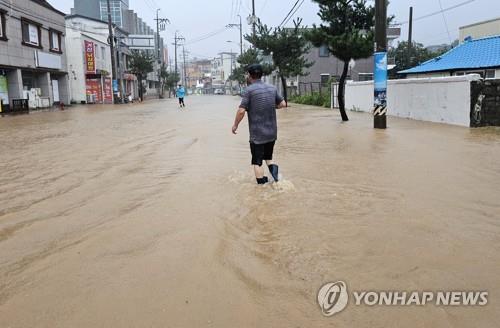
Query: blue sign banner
[(115, 85), (380, 79)]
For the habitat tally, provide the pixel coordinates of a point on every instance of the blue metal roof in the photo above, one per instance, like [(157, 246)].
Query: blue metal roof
[(475, 54)]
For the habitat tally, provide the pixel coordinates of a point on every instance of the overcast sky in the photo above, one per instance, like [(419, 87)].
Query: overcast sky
[(196, 18)]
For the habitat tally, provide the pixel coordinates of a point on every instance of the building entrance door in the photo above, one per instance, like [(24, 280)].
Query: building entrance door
[(55, 90)]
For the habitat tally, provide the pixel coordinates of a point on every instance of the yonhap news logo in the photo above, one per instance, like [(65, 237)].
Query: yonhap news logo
[(333, 297)]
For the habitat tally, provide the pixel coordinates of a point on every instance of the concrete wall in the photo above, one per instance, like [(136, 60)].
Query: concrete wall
[(43, 82), (441, 100), (15, 83), (64, 91), (448, 73)]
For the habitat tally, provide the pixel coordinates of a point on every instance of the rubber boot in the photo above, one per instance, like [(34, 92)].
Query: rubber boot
[(273, 168), (262, 181)]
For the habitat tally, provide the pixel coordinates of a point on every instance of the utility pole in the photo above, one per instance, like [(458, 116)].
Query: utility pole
[(112, 48), (175, 53), (184, 59), (160, 26), (380, 74), (254, 22), (241, 36), (176, 44), (410, 36), (230, 77), (240, 26)]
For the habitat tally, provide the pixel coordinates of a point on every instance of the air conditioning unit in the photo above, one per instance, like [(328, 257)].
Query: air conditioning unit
[(91, 99)]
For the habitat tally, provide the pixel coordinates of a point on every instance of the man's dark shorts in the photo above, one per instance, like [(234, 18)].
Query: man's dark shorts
[(261, 152)]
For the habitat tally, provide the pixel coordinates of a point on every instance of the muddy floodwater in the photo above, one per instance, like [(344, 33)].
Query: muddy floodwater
[(147, 216)]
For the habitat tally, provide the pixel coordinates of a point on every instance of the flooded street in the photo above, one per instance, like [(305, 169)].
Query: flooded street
[(147, 216)]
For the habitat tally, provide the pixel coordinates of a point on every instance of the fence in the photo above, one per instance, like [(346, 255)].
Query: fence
[(309, 88)]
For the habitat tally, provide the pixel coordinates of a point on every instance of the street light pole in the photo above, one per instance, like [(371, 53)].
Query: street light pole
[(410, 35), (380, 74)]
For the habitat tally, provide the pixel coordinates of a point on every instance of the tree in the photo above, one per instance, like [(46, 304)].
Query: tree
[(418, 55), (171, 81), (140, 64), (347, 30), (168, 79), (163, 78), (287, 46), (249, 57)]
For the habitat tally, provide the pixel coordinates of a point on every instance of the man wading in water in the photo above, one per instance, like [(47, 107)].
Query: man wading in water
[(260, 100)]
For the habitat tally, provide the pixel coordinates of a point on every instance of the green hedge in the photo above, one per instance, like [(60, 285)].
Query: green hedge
[(314, 99)]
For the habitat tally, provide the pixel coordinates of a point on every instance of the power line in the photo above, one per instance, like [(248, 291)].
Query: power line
[(232, 11), (440, 11), (444, 19), (200, 56), (293, 14), (155, 4), (239, 8), (148, 3), (206, 36), (247, 6), (263, 7), (289, 13)]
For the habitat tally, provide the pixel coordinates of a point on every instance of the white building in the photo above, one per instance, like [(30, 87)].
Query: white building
[(90, 60), (222, 67)]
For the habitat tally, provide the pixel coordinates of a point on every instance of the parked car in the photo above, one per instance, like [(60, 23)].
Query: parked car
[(218, 92)]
